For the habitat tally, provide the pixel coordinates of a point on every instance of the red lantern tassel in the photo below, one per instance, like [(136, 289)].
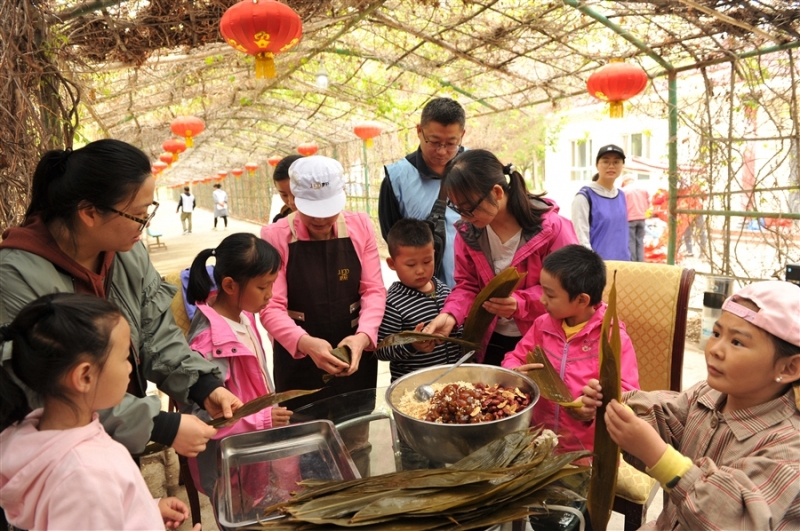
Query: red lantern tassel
[(189, 141), (368, 142), (615, 109), (265, 65)]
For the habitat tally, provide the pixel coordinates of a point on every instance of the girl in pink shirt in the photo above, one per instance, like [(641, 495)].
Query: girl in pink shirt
[(58, 468)]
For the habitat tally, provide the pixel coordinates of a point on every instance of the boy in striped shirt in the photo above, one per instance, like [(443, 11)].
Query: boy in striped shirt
[(414, 301)]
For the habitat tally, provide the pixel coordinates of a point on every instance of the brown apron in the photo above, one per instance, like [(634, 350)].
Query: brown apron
[(323, 280)]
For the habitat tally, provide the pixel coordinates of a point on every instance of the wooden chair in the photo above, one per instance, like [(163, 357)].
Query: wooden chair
[(182, 320), (653, 302), (157, 234)]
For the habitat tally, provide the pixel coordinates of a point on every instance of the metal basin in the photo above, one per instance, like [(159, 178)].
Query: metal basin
[(450, 442)]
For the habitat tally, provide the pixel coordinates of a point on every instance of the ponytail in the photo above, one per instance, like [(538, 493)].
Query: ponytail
[(48, 337), (200, 282), (241, 256), (473, 173), (528, 216)]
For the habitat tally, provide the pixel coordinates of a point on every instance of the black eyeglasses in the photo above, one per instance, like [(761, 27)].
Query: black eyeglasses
[(468, 212), (449, 148), (141, 221)]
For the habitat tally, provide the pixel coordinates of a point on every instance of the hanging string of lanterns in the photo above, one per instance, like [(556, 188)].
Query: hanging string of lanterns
[(187, 127), (261, 28), (615, 83), (174, 146), (307, 148), (368, 130)]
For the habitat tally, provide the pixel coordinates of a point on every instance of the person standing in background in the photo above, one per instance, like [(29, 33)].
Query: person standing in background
[(412, 186), (599, 210), (638, 201), (187, 203), (220, 205), (281, 179)]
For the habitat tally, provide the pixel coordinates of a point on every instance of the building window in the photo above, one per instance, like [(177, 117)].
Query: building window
[(638, 144), (582, 168)]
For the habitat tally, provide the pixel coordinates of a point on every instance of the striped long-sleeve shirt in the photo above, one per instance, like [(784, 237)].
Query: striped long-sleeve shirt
[(405, 309), (746, 471)]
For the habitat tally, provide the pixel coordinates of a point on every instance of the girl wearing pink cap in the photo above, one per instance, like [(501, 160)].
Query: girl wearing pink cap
[(727, 450)]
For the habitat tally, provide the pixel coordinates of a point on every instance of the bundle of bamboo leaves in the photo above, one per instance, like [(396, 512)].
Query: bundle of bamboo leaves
[(505, 480)]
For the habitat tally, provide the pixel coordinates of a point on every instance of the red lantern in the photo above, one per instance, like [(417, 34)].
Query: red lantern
[(159, 166), (222, 174), (615, 83), (307, 148), (206, 180), (251, 167), (166, 158), (187, 127), (274, 160), (261, 28), (367, 131), (237, 172), (174, 146)]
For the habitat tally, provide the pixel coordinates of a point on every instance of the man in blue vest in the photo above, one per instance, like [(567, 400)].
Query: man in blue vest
[(411, 186)]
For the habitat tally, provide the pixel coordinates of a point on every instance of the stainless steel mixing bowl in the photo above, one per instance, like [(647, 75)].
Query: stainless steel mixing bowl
[(450, 442)]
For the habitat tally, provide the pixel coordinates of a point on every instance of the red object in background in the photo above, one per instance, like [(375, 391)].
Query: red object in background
[(174, 146), (367, 131), (261, 28), (166, 158), (274, 160), (307, 148), (222, 174), (206, 180), (615, 83), (187, 127), (159, 166), (237, 172), (251, 167)]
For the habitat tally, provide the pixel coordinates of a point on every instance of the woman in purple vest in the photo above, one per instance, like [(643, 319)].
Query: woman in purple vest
[(599, 211)]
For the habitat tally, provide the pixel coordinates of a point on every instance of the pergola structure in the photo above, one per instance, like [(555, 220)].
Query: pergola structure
[(126, 68)]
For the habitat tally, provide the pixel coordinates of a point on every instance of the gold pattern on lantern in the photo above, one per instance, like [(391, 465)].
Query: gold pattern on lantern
[(290, 45), (261, 39), (235, 44)]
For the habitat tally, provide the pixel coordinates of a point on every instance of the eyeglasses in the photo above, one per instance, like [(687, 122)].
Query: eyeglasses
[(611, 162), (449, 148), (468, 212), (142, 221)]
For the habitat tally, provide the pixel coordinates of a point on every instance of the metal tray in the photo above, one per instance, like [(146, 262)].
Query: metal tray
[(261, 468)]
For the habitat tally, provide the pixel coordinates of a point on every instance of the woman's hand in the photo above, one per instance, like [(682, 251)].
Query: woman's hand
[(192, 436), (503, 307), (441, 325), (173, 512), (319, 351), (423, 346), (357, 344), (221, 402), (280, 416), (633, 434)]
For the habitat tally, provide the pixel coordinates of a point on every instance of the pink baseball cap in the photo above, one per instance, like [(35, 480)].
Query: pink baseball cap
[(779, 308)]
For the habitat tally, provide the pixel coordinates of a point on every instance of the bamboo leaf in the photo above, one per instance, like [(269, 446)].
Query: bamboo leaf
[(478, 319), (257, 404), (602, 485), (551, 386), (404, 338)]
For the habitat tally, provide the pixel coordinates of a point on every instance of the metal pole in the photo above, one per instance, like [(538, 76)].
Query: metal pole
[(673, 165), (366, 174)]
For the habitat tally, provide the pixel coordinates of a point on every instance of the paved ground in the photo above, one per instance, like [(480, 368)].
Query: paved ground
[(160, 470)]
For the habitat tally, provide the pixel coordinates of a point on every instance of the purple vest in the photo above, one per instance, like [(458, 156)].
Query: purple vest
[(608, 224)]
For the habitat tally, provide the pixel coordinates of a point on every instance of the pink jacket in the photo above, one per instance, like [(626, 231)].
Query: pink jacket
[(373, 293), (242, 375), (78, 478), (638, 201), (576, 362), (474, 271)]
